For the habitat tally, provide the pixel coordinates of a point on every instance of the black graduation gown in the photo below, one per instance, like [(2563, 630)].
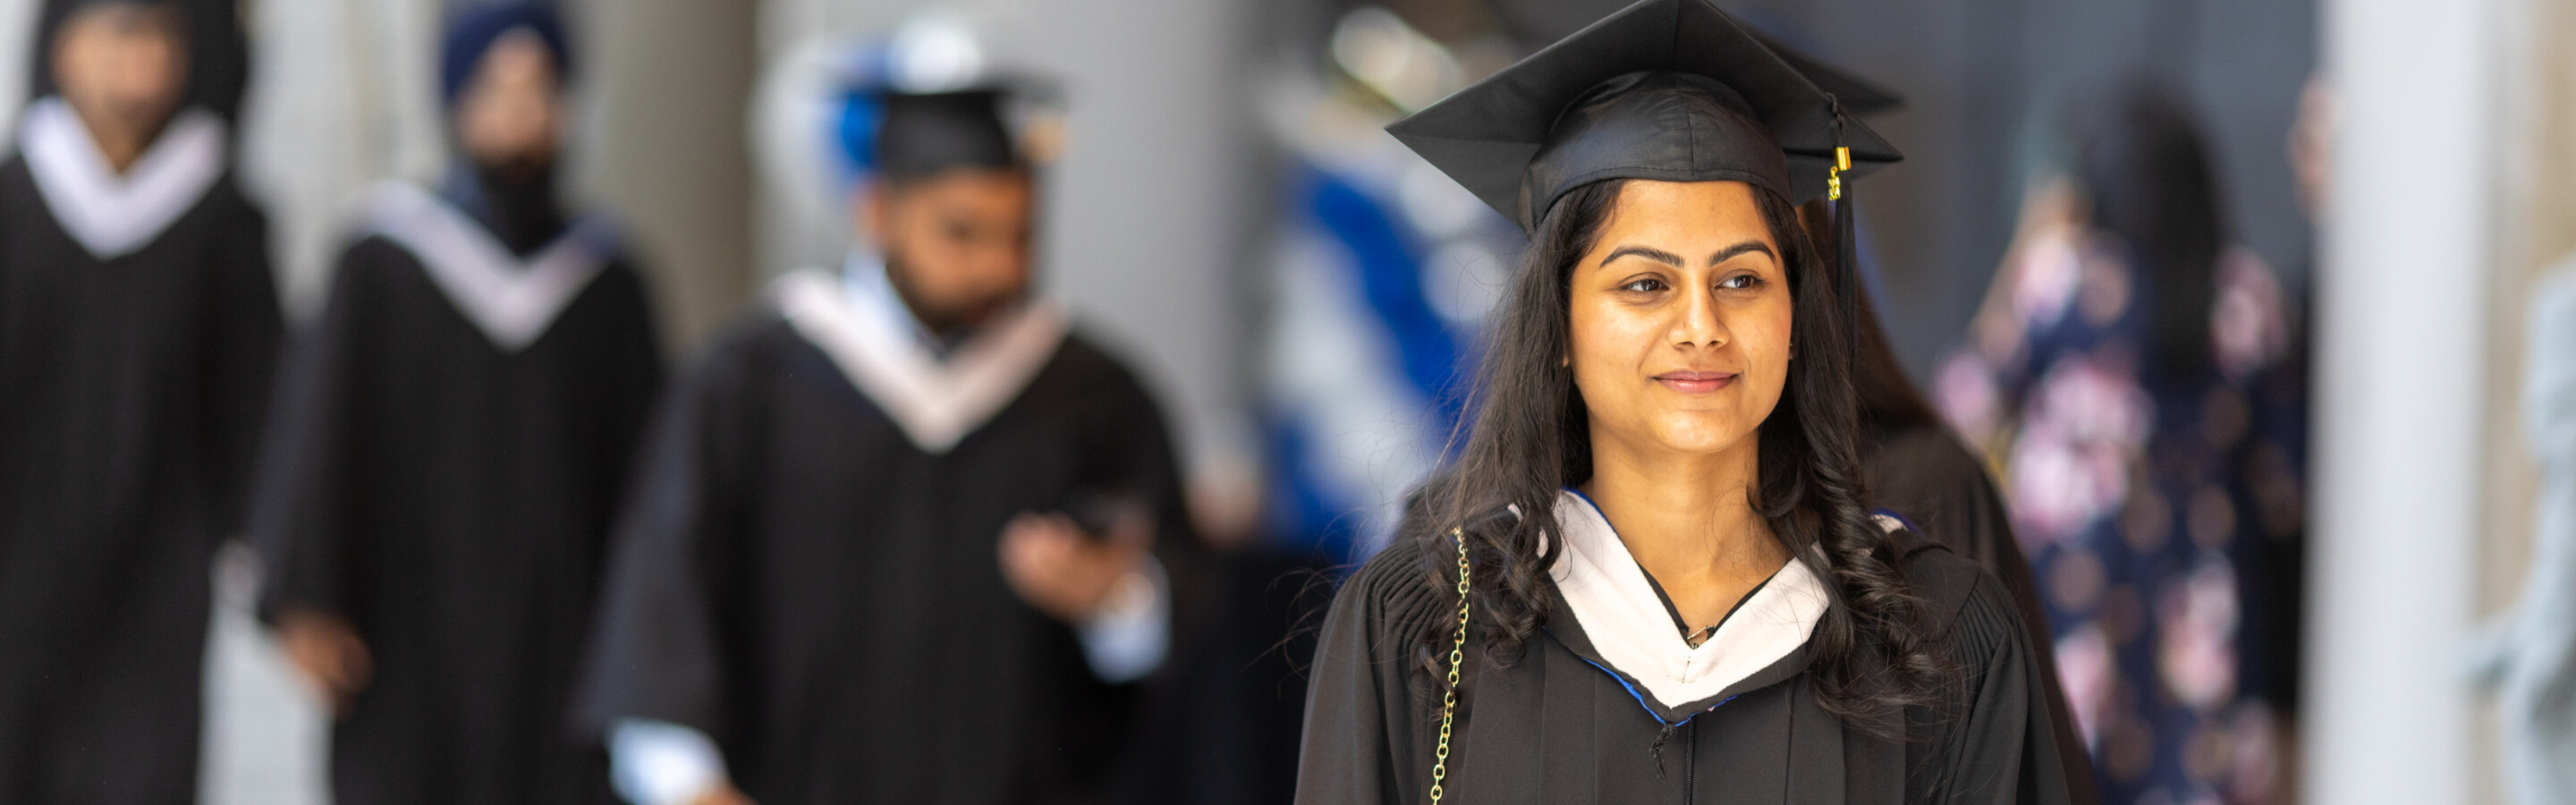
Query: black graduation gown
[(453, 500), (1554, 726), (824, 598), (131, 393), (1922, 472)]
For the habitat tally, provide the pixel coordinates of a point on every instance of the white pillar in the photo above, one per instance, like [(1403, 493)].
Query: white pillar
[(342, 95), (665, 88), (2400, 384)]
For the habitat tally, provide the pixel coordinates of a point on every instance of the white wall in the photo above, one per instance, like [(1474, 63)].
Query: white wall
[(18, 20)]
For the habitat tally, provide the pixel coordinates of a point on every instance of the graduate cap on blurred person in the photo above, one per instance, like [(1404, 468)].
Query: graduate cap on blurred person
[(472, 32), (936, 95), (1669, 90), (919, 135)]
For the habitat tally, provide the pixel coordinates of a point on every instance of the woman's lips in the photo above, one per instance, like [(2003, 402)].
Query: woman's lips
[(1695, 382)]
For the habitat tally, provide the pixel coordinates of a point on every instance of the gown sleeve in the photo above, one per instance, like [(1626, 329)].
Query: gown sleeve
[(636, 360), (1132, 635), (302, 511), (1992, 740), (661, 763), (1136, 444), (656, 653), (242, 329), (1369, 725)]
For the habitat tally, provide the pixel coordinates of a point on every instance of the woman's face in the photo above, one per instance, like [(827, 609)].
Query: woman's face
[(1679, 330)]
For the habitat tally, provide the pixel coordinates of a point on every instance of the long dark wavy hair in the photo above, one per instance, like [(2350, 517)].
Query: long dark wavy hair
[(1532, 437), (2147, 174)]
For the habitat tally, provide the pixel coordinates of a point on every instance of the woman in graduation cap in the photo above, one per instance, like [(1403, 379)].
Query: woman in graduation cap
[(1650, 575)]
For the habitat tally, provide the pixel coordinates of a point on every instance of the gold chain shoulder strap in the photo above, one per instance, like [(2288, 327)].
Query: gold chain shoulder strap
[(1457, 655)]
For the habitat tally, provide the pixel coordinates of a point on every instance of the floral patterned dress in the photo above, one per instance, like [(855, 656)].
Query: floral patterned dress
[(2162, 512)]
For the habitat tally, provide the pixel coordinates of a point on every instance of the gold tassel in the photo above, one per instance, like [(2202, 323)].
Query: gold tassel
[(1834, 175)]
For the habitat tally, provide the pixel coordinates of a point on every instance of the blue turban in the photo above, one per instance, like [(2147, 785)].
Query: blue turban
[(472, 32)]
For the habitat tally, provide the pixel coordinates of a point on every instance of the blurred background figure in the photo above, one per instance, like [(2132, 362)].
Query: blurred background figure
[(450, 448), (138, 324), (2529, 653), (904, 535), (2133, 372)]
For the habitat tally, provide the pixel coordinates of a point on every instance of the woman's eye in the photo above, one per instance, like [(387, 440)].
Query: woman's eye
[(1648, 285), (1740, 282)]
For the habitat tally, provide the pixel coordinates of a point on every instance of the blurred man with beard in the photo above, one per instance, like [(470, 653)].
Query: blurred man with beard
[(902, 537)]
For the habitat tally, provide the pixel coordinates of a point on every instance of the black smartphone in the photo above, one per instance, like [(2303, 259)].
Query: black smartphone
[(1098, 508)]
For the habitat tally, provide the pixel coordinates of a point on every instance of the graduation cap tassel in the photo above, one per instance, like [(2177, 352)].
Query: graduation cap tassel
[(1846, 260)]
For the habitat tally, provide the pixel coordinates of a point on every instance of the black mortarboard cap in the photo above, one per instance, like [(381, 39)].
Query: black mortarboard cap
[(926, 133), (1665, 89), (1859, 96)]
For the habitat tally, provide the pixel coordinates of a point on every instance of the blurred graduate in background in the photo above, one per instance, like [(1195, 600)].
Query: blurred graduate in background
[(138, 323), (449, 449), (903, 535)]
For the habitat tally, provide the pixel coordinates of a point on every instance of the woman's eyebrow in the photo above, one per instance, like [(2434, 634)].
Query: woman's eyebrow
[(1657, 255), (1746, 247)]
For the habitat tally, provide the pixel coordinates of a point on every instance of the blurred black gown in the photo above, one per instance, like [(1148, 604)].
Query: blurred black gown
[(821, 594), (131, 391), (1554, 724), (443, 472), (1924, 473), (1913, 464)]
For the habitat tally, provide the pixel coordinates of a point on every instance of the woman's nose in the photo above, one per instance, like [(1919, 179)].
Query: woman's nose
[(1699, 322)]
